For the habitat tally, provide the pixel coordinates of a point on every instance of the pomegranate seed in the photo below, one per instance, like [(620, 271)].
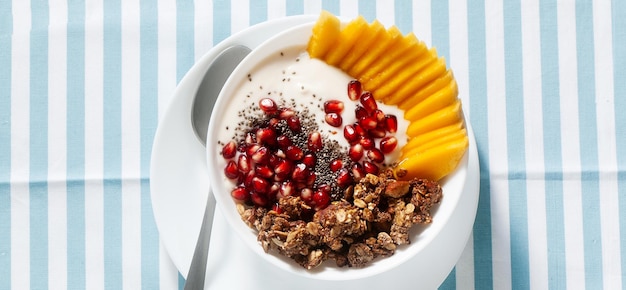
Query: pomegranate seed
[(350, 133), (252, 148), (391, 123), (333, 119), (309, 160), (300, 173), (336, 164), (277, 208), (286, 113), (354, 90), (259, 199), (243, 163), (263, 171), (388, 144), (333, 106), (273, 160), (250, 138), (367, 143), (273, 191), (260, 185), (314, 142), (310, 180), (357, 171), (268, 105), (294, 153), (359, 130), (300, 185), (380, 115), (280, 153), (248, 180), (306, 194), (356, 152), (344, 179), (286, 189), (368, 122), (266, 136), (360, 112), (370, 167), (376, 133), (321, 199), (229, 150), (375, 155), (273, 123), (324, 188), (294, 123), (283, 168), (283, 141), (368, 102), (240, 193), (261, 156), (231, 171)]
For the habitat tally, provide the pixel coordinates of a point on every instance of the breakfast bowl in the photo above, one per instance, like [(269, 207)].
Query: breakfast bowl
[(280, 76)]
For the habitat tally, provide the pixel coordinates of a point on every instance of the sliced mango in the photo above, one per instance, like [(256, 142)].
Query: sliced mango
[(435, 163), (434, 143), (325, 33), (381, 44), (444, 117), (399, 68), (399, 50), (348, 36), (444, 97), (394, 89), (432, 135), (426, 91), (373, 31)]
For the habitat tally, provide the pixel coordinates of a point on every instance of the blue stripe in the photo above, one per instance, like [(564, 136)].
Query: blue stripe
[(367, 8), (38, 186), (449, 282), (294, 7), (181, 282), (588, 145), (483, 274), (440, 29), (619, 97), (518, 210), (148, 120), (403, 10), (331, 6), (76, 145), (258, 11), (555, 225), (112, 145), (221, 20), (6, 28), (185, 53), (441, 40)]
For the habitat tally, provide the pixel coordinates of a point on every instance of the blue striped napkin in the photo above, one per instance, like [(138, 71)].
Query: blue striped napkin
[(83, 84)]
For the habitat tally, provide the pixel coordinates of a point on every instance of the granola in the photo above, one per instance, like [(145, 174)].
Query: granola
[(371, 221)]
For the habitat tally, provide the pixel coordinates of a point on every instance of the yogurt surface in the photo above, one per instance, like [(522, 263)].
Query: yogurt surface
[(293, 77)]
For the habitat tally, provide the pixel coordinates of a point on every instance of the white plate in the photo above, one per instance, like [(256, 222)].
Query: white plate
[(179, 187)]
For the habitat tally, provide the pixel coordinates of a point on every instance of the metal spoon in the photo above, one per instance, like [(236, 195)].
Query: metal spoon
[(214, 79)]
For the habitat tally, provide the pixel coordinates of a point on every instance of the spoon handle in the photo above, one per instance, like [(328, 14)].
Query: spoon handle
[(197, 269)]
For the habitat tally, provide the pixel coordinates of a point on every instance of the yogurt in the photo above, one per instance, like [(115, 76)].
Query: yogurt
[(291, 76)]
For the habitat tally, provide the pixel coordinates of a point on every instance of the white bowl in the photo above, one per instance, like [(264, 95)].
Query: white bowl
[(434, 248)]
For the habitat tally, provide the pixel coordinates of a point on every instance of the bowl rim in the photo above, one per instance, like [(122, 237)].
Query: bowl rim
[(298, 36)]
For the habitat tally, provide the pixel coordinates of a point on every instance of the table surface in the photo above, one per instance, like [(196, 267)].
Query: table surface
[(83, 85)]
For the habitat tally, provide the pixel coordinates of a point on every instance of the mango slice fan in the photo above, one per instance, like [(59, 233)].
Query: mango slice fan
[(400, 70)]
